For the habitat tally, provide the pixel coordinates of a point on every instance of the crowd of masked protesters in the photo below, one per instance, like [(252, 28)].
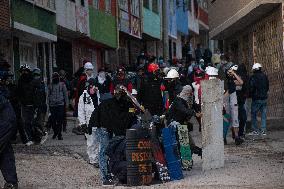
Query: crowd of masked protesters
[(104, 104)]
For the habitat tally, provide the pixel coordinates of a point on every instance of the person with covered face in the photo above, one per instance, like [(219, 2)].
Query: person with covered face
[(150, 94), (7, 130), (86, 106), (104, 83), (58, 99), (121, 111), (121, 79), (181, 111), (27, 90)]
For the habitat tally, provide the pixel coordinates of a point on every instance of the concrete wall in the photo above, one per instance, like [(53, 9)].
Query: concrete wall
[(103, 28), (151, 23), (221, 10), (65, 16), (33, 16)]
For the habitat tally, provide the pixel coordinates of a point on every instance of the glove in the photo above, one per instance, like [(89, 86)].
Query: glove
[(84, 128), (90, 129)]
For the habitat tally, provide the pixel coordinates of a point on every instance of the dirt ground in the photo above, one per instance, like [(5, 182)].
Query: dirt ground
[(258, 163)]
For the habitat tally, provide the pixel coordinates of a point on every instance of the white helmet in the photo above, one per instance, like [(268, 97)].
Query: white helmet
[(134, 92), (201, 60), (211, 71), (88, 66), (234, 67), (166, 70), (172, 74), (256, 66)]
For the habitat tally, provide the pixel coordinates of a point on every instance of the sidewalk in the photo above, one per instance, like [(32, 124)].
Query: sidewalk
[(62, 164)]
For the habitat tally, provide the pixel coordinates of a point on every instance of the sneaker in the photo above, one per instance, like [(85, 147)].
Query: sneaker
[(54, 136), (10, 186), (263, 133), (225, 141), (108, 182), (44, 138), (77, 131), (254, 133), (29, 143), (238, 141)]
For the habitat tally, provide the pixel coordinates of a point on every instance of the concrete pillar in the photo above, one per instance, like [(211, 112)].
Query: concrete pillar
[(212, 124)]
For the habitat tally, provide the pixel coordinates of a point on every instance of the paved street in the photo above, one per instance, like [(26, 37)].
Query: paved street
[(62, 164)]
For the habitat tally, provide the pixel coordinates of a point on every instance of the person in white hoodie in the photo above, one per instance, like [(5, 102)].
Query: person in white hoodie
[(86, 106)]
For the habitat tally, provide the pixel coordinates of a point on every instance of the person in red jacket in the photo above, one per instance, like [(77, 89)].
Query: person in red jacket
[(198, 76)]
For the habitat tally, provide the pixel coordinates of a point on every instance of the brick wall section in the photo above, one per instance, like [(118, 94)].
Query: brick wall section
[(263, 42), (5, 15)]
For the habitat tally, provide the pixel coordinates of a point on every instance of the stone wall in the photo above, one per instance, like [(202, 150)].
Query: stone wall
[(262, 42)]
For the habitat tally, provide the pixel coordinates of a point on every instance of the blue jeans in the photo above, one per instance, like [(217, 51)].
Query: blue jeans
[(256, 106), (103, 139)]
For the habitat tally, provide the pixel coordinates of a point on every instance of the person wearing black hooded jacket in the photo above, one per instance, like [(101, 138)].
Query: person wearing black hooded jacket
[(112, 116), (150, 94), (7, 131), (181, 112), (26, 99), (259, 87)]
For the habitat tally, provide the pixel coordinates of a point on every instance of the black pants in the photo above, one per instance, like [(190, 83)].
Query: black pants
[(38, 131), (7, 164), (57, 119), (20, 127), (27, 116), (242, 119)]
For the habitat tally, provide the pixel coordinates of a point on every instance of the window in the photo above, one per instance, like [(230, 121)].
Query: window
[(96, 4), (135, 8), (50, 4), (171, 5), (174, 49), (123, 4), (155, 6), (190, 5), (108, 6), (26, 53), (146, 4), (83, 3)]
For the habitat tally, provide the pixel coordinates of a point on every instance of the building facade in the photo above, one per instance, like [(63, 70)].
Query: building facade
[(130, 27), (34, 34), (5, 31), (252, 31), (152, 27)]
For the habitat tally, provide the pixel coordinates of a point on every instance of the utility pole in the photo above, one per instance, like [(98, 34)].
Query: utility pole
[(165, 30)]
